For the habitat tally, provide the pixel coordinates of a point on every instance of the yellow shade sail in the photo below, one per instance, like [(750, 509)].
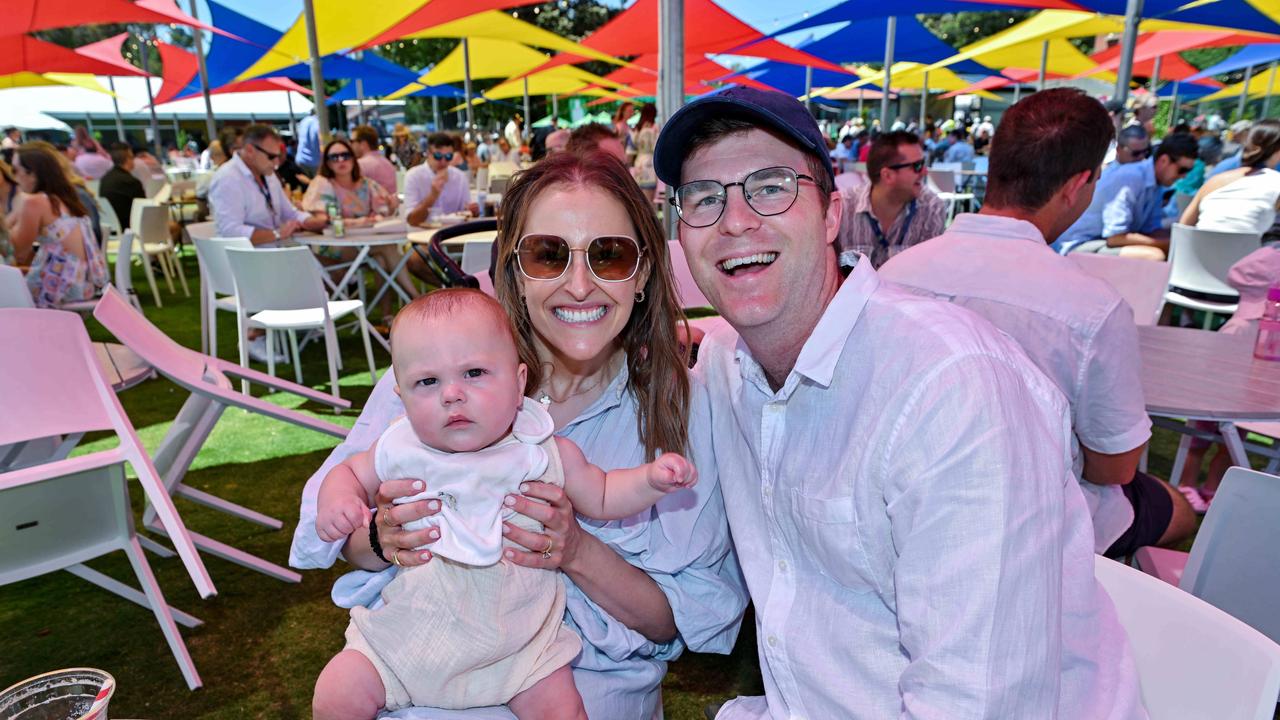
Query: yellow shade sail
[(497, 25), (489, 58), (1063, 59), (562, 80), (907, 76), (28, 79), (1259, 85)]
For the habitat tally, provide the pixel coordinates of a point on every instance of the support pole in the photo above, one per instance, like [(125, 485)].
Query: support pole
[(176, 129), (1271, 86), (1244, 93), (209, 126), (89, 120), (555, 112), (151, 102), (317, 71), (924, 101), (1017, 92), (860, 93), (360, 100), (466, 83), (1044, 64), (891, 30), (435, 112), (1132, 16), (115, 105), (293, 123), (1155, 75), (808, 86), (670, 76), (527, 130), (1174, 112)]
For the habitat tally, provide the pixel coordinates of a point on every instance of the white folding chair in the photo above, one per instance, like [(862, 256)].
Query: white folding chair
[(1194, 661), (1200, 260), (280, 289), (14, 292), (476, 256), (211, 393), (217, 286), (942, 180), (1234, 563), (1142, 283), (151, 233), (686, 289)]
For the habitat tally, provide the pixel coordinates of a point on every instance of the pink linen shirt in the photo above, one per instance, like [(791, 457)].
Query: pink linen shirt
[(378, 168)]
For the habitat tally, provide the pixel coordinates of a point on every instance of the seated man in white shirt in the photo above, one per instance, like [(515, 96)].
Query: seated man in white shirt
[(246, 197), (895, 471), (1074, 327), (435, 187)]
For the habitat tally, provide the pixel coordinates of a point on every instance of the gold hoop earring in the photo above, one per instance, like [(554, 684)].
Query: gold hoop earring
[(640, 296)]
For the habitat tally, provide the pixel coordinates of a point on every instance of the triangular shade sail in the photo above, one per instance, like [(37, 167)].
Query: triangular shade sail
[(558, 81), (1247, 57), (494, 25), (27, 54), (863, 42), (377, 89), (110, 51), (26, 79), (1261, 16), (1264, 82), (700, 75), (1185, 90), (911, 76), (1166, 46), (27, 16), (180, 71), (489, 58), (861, 10)]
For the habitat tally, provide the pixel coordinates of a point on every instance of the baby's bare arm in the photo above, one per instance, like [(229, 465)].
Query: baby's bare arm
[(342, 504), (614, 495)]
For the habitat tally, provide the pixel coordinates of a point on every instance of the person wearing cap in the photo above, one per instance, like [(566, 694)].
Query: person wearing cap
[(1074, 327), (894, 468)]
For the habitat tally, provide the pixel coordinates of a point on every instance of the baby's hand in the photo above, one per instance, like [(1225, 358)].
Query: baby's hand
[(337, 520), (671, 472)]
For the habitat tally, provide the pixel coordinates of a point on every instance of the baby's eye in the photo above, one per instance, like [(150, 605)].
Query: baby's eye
[(427, 381), (474, 372)]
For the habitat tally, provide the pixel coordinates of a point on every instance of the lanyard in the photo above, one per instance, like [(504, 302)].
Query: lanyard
[(261, 183), (902, 234)]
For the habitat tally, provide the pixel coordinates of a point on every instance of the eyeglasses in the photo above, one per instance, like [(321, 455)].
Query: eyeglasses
[(1140, 153), (1183, 169), (442, 156), (916, 166), (770, 191), (270, 155), (612, 258), (339, 156)]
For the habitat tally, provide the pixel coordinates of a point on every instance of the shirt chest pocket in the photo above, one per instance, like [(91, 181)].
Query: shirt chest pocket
[(827, 530)]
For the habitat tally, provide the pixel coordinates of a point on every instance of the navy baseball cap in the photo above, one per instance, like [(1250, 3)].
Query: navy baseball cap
[(774, 110)]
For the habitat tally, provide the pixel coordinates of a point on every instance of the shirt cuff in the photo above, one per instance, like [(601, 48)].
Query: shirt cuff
[(1122, 443)]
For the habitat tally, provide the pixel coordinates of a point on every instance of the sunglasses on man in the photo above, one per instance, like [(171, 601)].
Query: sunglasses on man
[(442, 156), (270, 155), (916, 166), (611, 258)]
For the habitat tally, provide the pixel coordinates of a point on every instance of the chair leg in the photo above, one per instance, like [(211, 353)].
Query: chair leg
[(205, 304), (110, 584), (368, 349), (271, 352), (213, 327), (1180, 460), (1208, 320), (161, 609), (293, 349), (182, 276), (163, 257), (243, 333), (151, 278), (331, 351)]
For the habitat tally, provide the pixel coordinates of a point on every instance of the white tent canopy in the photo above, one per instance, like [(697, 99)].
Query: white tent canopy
[(73, 103), (26, 118)]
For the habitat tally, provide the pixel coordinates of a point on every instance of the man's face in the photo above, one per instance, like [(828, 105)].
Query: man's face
[(1169, 170), (504, 146), (261, 156), (127, 166), (1133, 150), (902, 178), (788, 254), (360, 148), (439, 157), (612, 146)]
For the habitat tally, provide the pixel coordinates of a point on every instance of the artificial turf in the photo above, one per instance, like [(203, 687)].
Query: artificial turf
[(263, 641)]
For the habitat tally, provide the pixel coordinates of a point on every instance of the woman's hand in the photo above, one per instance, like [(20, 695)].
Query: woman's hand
[(395, 540), (557, 545)]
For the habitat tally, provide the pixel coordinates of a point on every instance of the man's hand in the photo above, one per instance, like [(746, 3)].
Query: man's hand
[(288, 229), (339, 519), (672, 472), (437, 182)]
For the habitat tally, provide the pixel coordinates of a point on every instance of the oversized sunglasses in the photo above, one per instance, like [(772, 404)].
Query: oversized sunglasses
[(916, 166), (442, 156), (339, 156), (612, 258), (769, 191)]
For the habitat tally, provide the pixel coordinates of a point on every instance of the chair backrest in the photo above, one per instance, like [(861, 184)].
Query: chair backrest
[(180, 188), (942, 182), (163, 193), (212, 256), (476, 256), (153, 225), (138, 334), (202, 230), (135, 212), (502, 169), (1235, 561), (276, 279), (14, 292), (1201, 259), (498, 184), (1141, 283), (951, 170), (107, 216), (1193, 660), (124, 269), (686, 289)]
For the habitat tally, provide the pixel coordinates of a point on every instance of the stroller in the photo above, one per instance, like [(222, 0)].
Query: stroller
[(448, 273)]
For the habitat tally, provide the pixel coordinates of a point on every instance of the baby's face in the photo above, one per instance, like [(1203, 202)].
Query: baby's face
[(460, 379)]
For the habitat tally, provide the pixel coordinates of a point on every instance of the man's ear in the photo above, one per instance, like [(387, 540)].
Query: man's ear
[(835, 211), (1077, 184)]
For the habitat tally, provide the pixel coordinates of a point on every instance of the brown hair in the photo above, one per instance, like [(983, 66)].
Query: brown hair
[(51, 179), (656, 363), (1263, 142), (1042, 142), (716, 129), (586, 138), (64, 162), (884, 151), (367, 135), (326, 171)]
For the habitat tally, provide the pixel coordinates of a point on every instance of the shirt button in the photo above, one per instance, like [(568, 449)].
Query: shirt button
[(768, 492), (782, 565), (773, 641)]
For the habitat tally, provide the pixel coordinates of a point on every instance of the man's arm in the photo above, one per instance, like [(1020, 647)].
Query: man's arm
[(1110, 415), (420, 194)]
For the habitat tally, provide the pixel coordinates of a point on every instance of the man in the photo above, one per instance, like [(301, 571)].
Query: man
[(594, 136), (893, 212), (895, 470), (12, 139), (507, 153), (960, 150), (373, 164), (513, 133), (845, 155), (435, 185), (119, 186), (308, 156), (1125, 217), (557, 141), (1132, 145), (246, 197), (1075, 328)]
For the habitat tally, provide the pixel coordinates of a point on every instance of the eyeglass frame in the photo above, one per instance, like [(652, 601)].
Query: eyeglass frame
[(270, 155), (674, 201), (446, 157), (917, 166), (340, 157), (585, 251)]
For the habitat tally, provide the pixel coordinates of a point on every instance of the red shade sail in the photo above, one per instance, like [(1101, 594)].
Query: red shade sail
[(110, 51), (1166, 45), (699, 73), (439, 12), (27, 54), (26, 16), (180, 68)]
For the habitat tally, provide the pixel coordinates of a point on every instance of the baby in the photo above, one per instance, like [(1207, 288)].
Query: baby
[(469, 628)]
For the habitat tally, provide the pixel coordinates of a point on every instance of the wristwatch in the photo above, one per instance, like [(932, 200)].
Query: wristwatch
[(276, 233)]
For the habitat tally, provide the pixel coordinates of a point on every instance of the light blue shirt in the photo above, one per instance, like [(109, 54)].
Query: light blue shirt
[(682, 543), (309, 142), (1231, 163), (959, 152), (1127, 199)]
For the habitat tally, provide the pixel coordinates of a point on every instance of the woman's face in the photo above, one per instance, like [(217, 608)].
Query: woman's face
[(579, 317), (26, 180), (341, 159)]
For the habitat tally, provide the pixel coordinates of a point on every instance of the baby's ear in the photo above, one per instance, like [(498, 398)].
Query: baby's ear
[(522, 377)]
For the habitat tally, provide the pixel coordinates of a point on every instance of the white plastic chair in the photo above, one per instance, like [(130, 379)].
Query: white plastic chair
[(280, 289), (1234, 563), (212, 392), (943, 181), (150, 225), (215, 280), (1200, 260), (14, 292), (1194, 661), (476, 256), (1142, 283), (686, 289)]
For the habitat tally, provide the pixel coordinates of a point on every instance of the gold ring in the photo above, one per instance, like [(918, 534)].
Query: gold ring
[(386, 518), (395, 558), (551, 543)]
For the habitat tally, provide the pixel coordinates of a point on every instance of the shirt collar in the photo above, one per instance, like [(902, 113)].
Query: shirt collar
[(608, 400), (996, 226), (821, 352), (240, 167)]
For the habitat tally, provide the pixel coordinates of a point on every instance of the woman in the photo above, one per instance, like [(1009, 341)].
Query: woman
[(91, 161), (623, 130), (8, 193), (77, 183), (406, 149), (68, 267), (1243, 200), (646, 137), (359, 200), (602, 354)]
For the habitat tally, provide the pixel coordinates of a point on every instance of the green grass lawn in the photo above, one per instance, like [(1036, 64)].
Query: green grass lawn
[(263, 641)]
